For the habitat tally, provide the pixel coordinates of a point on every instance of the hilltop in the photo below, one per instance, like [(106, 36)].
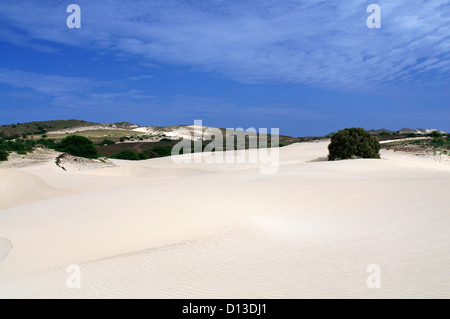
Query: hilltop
[(119, 132), (418, 131), (95, 131), (120, 140)]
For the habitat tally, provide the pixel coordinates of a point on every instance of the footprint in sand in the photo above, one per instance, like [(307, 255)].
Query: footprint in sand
[(5, 247)]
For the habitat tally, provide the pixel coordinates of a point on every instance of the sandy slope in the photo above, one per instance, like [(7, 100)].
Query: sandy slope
[(5, 247), (156, 229), (18, 188)]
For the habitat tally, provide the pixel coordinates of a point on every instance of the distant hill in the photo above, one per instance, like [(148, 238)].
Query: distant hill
[(125, 130), (126, 125), (418, 131), (114, 138), (115, 132), (42, 127), (383, 130)]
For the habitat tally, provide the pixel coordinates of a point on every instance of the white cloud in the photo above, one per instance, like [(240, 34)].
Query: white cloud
[(72, 92), (53, 85), (323, 44)]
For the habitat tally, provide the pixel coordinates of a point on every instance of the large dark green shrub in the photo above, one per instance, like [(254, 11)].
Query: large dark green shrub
[(3, 155), (162, 150), (78, 146), (150, 154), (48, 142), (353, 143), (19, 146), (129, 155), (142, 156)]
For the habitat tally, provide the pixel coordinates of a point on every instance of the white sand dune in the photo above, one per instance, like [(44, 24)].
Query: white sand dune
[(139, 171), (17, 188), (5, 247), (156, 229)]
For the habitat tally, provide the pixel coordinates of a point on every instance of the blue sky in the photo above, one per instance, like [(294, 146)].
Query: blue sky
[(306, 67)]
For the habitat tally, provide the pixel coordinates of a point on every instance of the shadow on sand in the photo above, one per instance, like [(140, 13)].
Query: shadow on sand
[(5, 247), (319, 159)]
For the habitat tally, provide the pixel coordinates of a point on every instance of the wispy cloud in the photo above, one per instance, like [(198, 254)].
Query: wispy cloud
[(324, 44), (53, 85), (140, 77), (72, 92)]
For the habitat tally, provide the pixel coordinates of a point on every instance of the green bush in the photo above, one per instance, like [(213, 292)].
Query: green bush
[(435, 134), (142, 156), (162, 150), (50, 143), (150, 154), (106, 142), (3, 155), (22, 146), (353, 143), (19, 146), (440, 142), (129, 155), (78, 146)]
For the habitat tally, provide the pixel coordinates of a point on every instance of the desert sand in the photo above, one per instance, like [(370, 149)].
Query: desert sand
[(156, 229)]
